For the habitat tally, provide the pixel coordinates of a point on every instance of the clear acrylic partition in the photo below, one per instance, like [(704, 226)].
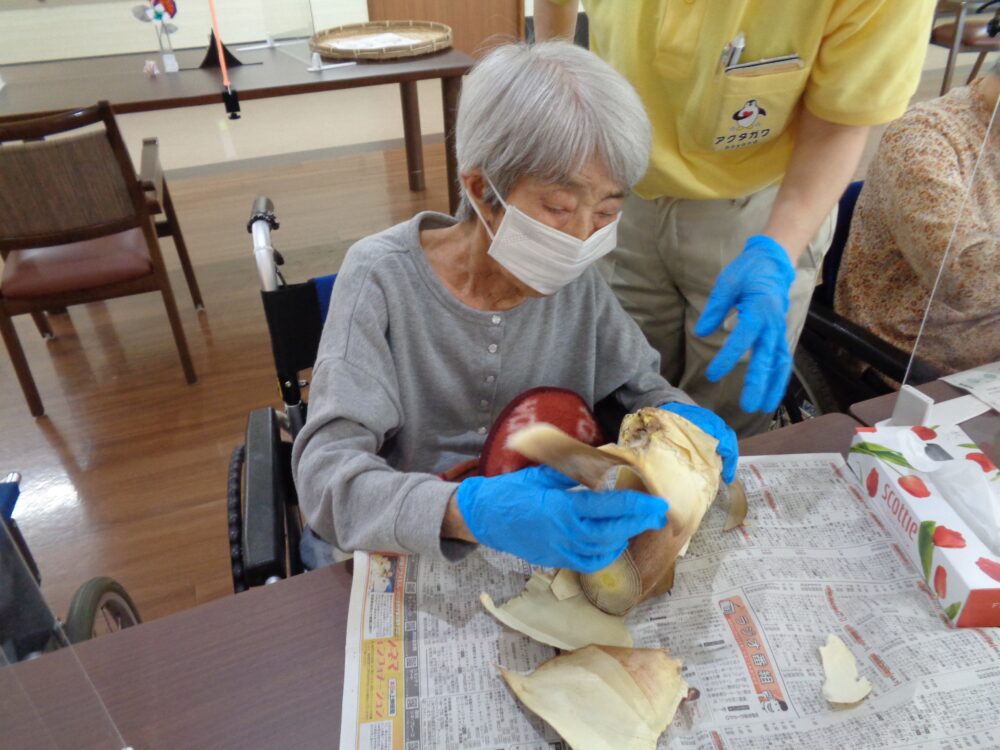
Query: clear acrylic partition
[(47, 700), (289, 25), (287, 20), (960, 328)]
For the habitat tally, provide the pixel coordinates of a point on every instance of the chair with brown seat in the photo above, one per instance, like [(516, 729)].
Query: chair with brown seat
[(75, 226), (965, 34), (160, 204)]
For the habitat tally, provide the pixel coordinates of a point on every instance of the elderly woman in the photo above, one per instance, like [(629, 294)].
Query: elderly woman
[(931, 199), (437, 323)]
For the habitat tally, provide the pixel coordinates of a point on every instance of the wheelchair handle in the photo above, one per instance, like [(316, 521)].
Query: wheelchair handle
[(262, 221)]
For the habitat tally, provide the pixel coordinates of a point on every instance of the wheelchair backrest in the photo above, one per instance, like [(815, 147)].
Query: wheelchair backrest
[(831, 263), (295, 314)]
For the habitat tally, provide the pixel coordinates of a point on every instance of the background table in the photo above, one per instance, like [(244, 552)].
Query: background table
[(984, 429), (264, 669), (44, 88)]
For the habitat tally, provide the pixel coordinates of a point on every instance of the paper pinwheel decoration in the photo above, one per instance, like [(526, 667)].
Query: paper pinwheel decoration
[(156, 12)]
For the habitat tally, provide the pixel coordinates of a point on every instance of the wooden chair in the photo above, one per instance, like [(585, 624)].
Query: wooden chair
[(160, 205), (76, 226), (964, 34)]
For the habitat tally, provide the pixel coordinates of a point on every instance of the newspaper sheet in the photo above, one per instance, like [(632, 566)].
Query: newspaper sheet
[(747, 614), (982, 382)]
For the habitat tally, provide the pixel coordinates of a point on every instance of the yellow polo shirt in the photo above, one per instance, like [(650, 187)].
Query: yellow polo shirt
[(724, 135)]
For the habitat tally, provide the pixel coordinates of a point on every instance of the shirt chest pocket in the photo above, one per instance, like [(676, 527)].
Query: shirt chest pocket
[(742, 112), (679, 33)]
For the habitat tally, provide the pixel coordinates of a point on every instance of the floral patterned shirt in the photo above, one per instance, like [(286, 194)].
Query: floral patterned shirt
[(912, 206)]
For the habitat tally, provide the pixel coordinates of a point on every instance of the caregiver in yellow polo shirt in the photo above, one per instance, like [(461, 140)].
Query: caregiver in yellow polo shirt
[(760, 112)]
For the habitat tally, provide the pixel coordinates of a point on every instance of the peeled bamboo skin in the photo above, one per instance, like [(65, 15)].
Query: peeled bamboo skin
[(659, 453), (670, 457)]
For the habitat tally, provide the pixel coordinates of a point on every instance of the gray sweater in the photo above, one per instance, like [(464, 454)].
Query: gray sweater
[(408, 381)]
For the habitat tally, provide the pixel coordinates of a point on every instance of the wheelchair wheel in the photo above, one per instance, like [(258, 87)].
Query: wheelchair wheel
[(234, 512), (100, 606), (808, 395)]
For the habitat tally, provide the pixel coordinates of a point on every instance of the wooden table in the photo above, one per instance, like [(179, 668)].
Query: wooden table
[(262, 669), (830, 433), (984, 429), (43, 88)]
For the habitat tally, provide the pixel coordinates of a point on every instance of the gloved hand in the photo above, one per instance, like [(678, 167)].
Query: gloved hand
[(533, 514), (711, 423), (757, 283)]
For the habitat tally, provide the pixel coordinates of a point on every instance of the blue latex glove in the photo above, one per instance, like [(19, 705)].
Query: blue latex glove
[(757, 283), (531, 513), (711, 423)]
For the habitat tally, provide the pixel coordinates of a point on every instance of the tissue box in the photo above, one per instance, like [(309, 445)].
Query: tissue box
[(938, 494)]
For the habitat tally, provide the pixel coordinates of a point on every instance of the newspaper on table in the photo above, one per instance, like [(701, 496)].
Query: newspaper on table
[(982, 382), (747, 614)]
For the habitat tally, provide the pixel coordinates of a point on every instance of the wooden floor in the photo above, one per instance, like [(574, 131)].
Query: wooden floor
[(126, 474)]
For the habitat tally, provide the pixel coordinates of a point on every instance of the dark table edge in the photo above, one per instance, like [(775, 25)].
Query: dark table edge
[(837, 431), (320, 84)]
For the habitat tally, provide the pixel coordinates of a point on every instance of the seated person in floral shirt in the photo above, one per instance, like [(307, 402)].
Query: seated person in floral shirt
[(904, 229)]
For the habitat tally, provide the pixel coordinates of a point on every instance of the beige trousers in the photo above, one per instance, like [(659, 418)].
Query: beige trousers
[(670, 252)]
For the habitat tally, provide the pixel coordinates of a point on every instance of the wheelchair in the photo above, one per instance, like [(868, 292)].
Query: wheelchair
[(822, 381), (27, 626), (265, 526)]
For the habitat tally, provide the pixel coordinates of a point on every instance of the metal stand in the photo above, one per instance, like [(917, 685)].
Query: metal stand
[(318, 65), (912, 408)]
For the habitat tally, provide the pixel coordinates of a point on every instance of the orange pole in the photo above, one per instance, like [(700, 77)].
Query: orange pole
[(218, 44)]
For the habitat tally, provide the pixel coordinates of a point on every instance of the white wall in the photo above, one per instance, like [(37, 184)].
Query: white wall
[(329, 13), (85, 29), (32, 30)]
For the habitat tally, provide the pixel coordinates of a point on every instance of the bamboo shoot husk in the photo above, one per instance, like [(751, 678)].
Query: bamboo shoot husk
[(842, 684), (604, 698), (665, 455), (569, 623)]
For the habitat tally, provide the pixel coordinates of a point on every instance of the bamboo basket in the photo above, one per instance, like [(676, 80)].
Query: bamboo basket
[(354, 41)]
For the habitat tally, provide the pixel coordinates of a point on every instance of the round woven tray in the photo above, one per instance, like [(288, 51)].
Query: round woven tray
[(378, 40)]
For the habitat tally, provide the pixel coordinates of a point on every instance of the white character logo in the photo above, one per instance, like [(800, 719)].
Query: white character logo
[(747, 115)]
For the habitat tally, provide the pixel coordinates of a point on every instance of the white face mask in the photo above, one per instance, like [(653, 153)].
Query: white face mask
[(540, 256)]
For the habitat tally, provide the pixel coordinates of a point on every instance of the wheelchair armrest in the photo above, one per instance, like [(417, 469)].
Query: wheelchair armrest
[(268, 491), (862, 344)]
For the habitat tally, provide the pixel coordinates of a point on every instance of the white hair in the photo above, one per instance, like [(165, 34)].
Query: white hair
[(544, 111)]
